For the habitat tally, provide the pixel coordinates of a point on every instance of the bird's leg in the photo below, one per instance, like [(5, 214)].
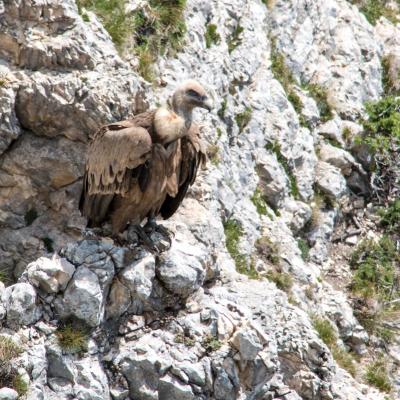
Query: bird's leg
[(142, 236)]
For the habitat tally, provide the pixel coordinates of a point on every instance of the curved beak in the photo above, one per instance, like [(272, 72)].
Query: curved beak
[(208, 104)]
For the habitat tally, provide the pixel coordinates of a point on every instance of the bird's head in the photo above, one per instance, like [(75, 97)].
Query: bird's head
[(190, 95)]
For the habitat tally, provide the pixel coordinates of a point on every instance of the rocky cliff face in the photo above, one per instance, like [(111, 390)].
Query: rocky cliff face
[(200, 321)]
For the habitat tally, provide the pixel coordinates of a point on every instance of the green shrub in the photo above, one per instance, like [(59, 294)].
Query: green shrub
[(211, 35), (9, 350), (390, 217), (375, 269), (211, 344), (233, 233), (72, 338), (150, 31), (276, 148), (242, 119), (113, 17), (374, 9), (377, 375), (325, 330), (235, 39), (186, 340), (259, 202), (282, 280)]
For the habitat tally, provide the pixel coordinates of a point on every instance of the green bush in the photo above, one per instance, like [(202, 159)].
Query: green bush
[(211, 344), (304, 249), (375, 269), (390, 217), (320, 95)]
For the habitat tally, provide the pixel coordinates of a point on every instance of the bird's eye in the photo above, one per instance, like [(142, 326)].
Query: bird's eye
[(192, 93)]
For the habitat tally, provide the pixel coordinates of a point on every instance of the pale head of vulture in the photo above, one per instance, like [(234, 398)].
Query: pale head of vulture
[(188, 96)]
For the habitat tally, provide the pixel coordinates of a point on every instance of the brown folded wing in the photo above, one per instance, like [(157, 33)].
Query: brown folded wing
[(187, 158)]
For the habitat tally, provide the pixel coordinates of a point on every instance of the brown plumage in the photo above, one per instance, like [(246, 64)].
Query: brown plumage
[(143, 167)]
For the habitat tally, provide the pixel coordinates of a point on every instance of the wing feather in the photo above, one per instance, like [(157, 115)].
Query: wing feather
[(187, 160)]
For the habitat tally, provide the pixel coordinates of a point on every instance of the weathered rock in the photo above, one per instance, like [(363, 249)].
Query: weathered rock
[(20, 304), (82, 298), (171, 388), (247, 343), (51, 275), (8, 394), (330, 180)]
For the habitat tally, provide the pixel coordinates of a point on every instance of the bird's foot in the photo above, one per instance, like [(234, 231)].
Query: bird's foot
[(150, 240), (91, 233), (161, 233)]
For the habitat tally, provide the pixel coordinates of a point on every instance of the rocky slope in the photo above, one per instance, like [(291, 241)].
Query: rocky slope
[(186, 325)]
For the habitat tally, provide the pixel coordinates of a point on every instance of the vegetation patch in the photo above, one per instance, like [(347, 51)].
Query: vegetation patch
[(235, 38), (374, 9), (390, 217), (304, 249), (259, 202), (345, 360), (186, 340), (222, 110), (282, 280), (267, 250), (150, 31), (9, 350), (320, 95), (377, 375), (30, 216), (72, 338), (233, 234), (20, 385), (211, 35), (213, 154), (276, 148), (242, 119), (375, 265), (325, 330), (390, 76), (211, 344)]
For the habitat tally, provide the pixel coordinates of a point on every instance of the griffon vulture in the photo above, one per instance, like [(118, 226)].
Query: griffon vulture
[(142, 167)]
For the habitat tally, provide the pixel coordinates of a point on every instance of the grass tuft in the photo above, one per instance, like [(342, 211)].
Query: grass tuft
[(211, 36), (320, 95), (377, 375), (304, 249), (72, 339), (233, 234), (213, 154), (242, 119), (20, 385), (345, 360), (267, 250), (282, 280), (186, 340), (259, 202), (325, 330), (374, 9)]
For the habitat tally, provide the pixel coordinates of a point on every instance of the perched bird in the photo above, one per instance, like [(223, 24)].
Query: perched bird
[(140, 168)]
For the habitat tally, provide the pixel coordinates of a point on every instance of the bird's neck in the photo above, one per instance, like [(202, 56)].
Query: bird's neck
[(184, 112)]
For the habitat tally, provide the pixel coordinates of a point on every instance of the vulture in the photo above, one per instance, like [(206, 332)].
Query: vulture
[(142, 167)]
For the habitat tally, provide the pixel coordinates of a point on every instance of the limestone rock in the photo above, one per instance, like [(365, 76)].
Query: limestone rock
[(8, 394), (330, 180), (51, 275), (20, 304)]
